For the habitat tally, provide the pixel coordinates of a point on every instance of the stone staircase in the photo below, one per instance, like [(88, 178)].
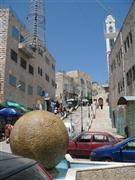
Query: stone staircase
[(102, 122)]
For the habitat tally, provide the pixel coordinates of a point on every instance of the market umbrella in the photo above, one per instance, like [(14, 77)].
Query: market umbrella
[(14, 104), (9, 112)]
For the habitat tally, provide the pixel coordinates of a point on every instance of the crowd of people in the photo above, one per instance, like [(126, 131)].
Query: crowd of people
[(56, 108), (95, 105)]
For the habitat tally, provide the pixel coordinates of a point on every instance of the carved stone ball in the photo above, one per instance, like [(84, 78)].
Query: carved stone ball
[(40, 135)]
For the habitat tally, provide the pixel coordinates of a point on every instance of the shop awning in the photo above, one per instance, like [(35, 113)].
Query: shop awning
[(16, 105), (125, 99), (9, 112)]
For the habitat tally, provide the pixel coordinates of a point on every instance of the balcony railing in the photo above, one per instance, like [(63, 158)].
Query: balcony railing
[(25, 49)]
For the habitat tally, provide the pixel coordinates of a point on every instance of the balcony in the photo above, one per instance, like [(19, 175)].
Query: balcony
[(111, 35), (26, 50)]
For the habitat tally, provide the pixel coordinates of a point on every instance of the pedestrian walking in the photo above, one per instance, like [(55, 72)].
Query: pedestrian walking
[(100, 102), (126, 131), (94, 108)]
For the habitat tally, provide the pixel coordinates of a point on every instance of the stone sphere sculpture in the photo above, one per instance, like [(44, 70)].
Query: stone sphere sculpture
[(40, 135)]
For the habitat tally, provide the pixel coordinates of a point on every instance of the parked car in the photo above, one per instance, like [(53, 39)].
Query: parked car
[(84, 143), (14, 167), (121, 152)]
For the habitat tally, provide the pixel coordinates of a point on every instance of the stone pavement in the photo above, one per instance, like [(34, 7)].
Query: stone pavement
[(102, 122)]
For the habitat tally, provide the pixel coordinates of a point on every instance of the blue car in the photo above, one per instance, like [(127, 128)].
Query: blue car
[(124, 151)]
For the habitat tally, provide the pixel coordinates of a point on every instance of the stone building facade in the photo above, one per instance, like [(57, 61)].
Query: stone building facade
[(25, 74), (73, 84), (66, 87), (83, 81), (122, 69)]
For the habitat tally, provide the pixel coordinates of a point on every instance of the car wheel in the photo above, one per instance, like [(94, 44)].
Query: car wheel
[(106, 159)]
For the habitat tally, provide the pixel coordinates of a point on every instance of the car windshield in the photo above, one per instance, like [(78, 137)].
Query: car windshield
[(31, 173), (122, 142)]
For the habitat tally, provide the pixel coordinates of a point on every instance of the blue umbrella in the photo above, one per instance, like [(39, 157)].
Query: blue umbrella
[(9, 112)]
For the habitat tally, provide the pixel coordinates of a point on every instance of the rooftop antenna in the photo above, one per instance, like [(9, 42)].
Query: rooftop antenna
[(36, 23)]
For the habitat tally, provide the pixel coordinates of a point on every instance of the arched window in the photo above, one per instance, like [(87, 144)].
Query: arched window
[(110, 29)]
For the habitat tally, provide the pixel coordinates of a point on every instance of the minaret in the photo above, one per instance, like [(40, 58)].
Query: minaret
[(110, 35)]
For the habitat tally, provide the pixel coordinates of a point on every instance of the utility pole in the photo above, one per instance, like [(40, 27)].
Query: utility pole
[(81, 116)]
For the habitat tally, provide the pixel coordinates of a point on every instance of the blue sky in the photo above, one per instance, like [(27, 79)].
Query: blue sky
[(75, 32)]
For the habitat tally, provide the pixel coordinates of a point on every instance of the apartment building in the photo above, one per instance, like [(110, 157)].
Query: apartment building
[(73, 85), (83, 81), (66, 87), (122, 75), (25, 74)]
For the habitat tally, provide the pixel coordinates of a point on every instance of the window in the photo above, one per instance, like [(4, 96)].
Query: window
[(82, 81), (1, 23), (111, 42), (13, 55), (85, 138), (133, 70), (53, 83), (40, 51), (100, 138), (31, 172), (23, 63), (130, 37), (128, 43), (30, 90), (128, 81), (39, 91), (22, 86), (40, 72), (125, 46), (31, 69), (111, 139), (114, 64), (118, 87), (130, 145), (22, 38), (123, 83), (129, 77), (53, 67), (111, 67), (110, 29), (47, 77), (47, 60), (120, 53), (15, 33), (12, 80)]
